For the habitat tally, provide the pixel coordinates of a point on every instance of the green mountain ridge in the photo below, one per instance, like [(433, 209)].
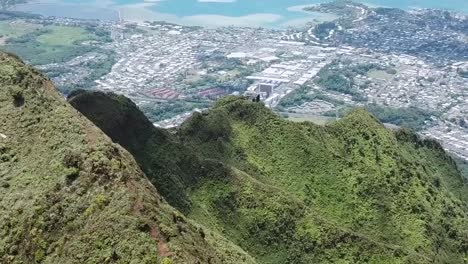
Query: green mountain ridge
[(234, 184), (69, 195), (349, 192)]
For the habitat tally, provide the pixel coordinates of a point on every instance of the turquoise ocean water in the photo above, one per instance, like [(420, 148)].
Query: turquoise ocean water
[(243, 7), (270, 13)]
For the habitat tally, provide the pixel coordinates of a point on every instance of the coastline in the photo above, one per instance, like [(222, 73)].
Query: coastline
[(146, 10), (78, 11)]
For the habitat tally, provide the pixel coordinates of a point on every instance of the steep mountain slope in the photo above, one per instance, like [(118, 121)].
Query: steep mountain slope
[(69, 195), (170, 166), (349, 192)]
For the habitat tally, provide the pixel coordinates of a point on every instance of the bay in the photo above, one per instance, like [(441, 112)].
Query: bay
[(213, 13)]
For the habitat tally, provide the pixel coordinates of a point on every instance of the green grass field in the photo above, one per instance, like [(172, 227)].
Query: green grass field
[(378, 74), (13, 29), (44, 44), (316, 119), (64, 36)]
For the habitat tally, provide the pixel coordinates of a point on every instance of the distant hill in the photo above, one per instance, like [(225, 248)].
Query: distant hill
[(348, 192)]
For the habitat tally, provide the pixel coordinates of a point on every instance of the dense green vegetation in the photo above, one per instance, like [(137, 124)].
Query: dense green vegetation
[(8, 15), (27, 46), (322, 30), (411, 117), (339, 75), (302, 95), (10, 29), (46, 43), (69, 195), (49, 44), (297, 97), (157, 112), (463, 165), (348, 192), (63, 36), (344, 10)]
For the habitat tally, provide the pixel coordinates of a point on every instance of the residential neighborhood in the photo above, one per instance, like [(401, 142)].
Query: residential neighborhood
[(171, 70)]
